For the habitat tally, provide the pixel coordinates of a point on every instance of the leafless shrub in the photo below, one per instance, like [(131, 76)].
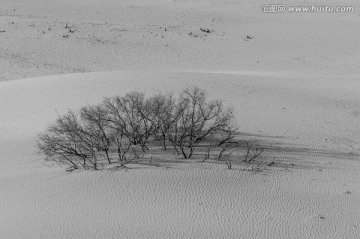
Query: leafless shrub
[(252, 152), (163, 115), (123, 145), (227, 143), (193, 35), (127, 127), (56, 148), (227, 161), (206, 30), (210, 145), (197, 120), (258, 166), (131, 117), (66, 142), (97, 128)]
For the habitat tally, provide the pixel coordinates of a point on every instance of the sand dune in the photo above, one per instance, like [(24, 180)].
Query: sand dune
[(127, 35), (190, 200), (294, 87)]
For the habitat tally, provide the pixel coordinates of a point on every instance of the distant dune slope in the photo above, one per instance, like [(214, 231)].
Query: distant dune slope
[(46, 38)]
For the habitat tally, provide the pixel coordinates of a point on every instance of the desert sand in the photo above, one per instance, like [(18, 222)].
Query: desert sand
[(294, 87)]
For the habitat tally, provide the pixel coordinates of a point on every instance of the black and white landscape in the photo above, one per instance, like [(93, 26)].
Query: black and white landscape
[(292, 80)]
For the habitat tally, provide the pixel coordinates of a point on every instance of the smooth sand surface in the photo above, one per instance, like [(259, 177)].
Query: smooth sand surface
[(294, 88)]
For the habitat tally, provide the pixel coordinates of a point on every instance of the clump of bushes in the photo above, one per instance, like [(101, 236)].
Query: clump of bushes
[(121, 128)]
